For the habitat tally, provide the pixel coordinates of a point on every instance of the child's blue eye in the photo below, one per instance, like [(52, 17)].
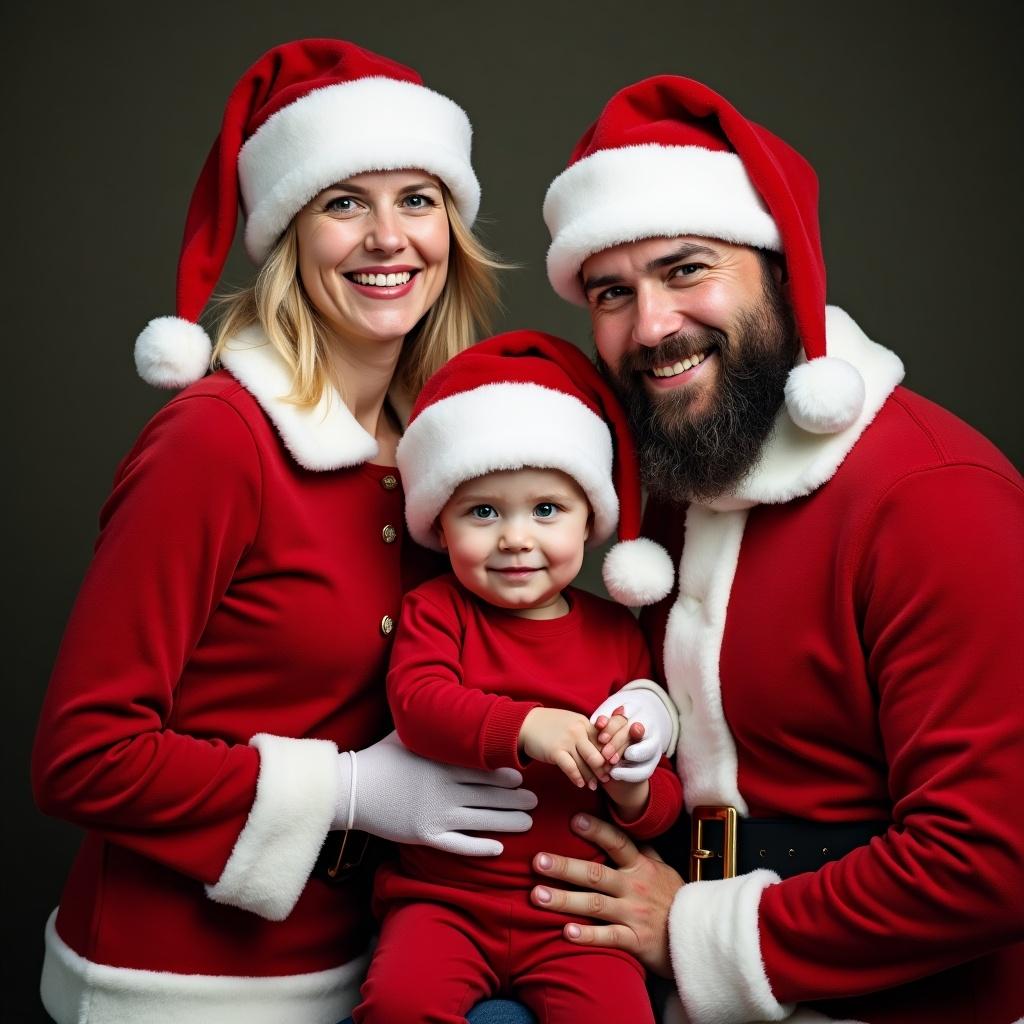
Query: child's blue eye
[(545, 510), (483, 512)]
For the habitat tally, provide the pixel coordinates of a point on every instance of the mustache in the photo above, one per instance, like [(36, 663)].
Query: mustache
[(672, 350)]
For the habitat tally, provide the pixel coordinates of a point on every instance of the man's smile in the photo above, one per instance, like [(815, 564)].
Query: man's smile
[(679, 371)]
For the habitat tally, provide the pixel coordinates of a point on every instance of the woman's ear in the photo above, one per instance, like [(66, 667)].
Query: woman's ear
[(439, 533)]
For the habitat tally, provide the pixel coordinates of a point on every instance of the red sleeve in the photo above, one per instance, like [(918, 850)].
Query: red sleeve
[(435, 714), (663, 805), (184, 507), (940, 588)]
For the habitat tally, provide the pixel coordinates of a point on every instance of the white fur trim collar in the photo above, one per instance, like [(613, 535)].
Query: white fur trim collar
[(794, 462), (322, 438)]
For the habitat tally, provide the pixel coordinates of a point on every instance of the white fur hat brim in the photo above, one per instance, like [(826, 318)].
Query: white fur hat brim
[(467, 435), (635, 192), (369, 124)]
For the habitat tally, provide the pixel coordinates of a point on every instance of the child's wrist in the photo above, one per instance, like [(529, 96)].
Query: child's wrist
[(630, 798)]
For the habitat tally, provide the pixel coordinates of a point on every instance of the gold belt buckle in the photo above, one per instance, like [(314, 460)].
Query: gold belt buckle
[(356, 850), (707, 812)]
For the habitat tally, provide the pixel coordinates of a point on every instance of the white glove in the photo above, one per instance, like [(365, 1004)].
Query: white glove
[(643, 701), (390, 792)]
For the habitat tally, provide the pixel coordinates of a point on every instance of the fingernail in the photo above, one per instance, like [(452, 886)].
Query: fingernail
[(582, 822), (572, 930), (544, 862), (542, 895), (592, 785)]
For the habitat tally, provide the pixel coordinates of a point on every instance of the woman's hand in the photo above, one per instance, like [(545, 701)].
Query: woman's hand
[(634, 896), (409, 799)]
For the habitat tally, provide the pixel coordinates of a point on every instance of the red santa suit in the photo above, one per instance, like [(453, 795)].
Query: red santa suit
[(464, 675), (229, 637), (844, 645)]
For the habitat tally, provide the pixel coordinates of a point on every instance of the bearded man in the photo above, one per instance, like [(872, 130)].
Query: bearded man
[(842, 639)]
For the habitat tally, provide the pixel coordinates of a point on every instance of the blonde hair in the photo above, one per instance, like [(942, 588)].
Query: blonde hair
[(277, 302)]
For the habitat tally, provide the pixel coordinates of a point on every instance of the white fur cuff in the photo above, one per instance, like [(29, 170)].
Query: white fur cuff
[(296, 798), (716, 951), (673, 712)]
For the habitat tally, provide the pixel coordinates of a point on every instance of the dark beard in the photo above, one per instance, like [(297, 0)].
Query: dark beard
[(686, 457)]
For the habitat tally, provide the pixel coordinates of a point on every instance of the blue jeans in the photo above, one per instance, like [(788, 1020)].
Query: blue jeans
[(494, 1011)]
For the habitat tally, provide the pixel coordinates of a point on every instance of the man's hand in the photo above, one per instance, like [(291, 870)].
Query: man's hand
[(634, 896), (565, 739)]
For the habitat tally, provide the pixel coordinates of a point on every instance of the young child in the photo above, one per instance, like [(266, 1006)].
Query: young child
[(507, 465)]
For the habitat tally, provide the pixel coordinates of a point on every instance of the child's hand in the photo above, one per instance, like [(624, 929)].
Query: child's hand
[(614, 734), (565, 739)]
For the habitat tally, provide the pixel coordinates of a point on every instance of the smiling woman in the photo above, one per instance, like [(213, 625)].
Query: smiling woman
[(216, 717), (340, 251)]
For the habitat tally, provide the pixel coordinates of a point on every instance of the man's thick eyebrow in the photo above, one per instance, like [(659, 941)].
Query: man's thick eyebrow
[(684, 252)]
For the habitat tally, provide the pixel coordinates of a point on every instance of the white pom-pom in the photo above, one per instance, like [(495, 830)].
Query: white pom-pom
[(172, 352), (825, 395), (638, 572)]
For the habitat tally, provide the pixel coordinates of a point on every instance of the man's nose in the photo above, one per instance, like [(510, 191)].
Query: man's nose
[(657, 316), (385, 234)]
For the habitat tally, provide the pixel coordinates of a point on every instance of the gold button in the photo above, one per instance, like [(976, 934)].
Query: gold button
[(389, 534), (389, 482), (387, 625)]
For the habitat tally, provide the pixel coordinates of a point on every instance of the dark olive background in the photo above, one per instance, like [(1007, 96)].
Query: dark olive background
[(909, 111)]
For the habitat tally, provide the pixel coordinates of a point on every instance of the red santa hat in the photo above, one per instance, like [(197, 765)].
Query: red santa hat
[(668, 156), (527, 399), (306, 115)]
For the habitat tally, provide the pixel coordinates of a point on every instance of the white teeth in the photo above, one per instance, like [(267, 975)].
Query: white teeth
[(383, 280), (677, 368)]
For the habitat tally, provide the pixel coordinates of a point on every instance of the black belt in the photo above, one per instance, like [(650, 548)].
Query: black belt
[(722, 844)]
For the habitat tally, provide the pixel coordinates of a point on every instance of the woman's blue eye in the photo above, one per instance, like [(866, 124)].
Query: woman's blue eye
[(545, 510), (418, 201), (483, 512), (340, 204)]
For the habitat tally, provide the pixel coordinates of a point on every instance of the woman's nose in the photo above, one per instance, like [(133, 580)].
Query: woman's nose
[(385, 233)]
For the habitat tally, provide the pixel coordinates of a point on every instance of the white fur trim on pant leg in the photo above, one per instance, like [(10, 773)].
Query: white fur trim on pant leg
[(638, 572), (171, 352), (825, 395), (296, 797), (670, 706), (716, 951)]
